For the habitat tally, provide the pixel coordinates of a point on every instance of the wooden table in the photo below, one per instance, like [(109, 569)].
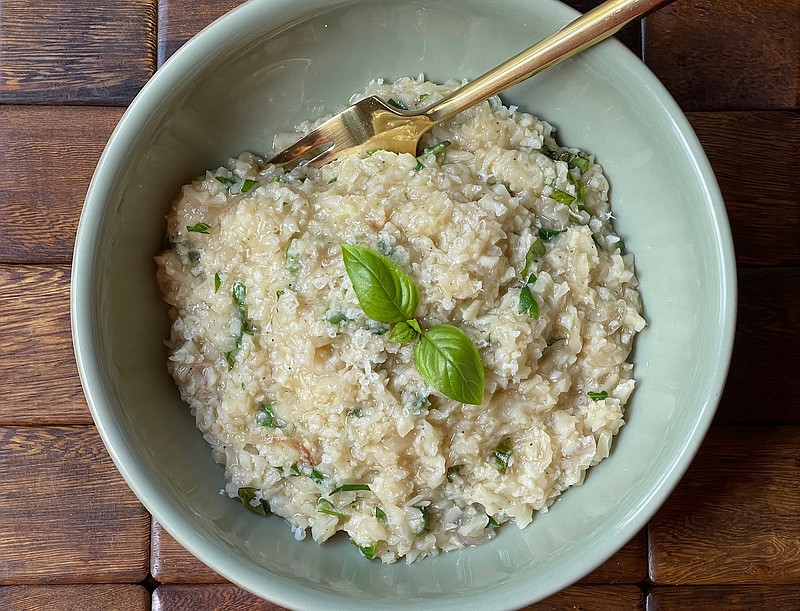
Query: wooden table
[(73, 536)]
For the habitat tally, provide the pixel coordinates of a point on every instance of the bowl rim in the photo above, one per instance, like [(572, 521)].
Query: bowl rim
[(84, 328)]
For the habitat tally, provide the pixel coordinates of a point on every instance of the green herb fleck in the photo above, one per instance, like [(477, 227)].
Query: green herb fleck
[(620, 245), (454, 470), (371, 152), (367, 550), (217, 282), (247, 185), (276, 179), (397, 104), (316, 476), (535, 252), (326, 507), (199, 228), (292, 263), (580, 190), (332, 180), (348, 488), (380, 514), (266, 417), (502, 454), (247, 496), (597, 396), (295, 469), (493, 523), (562, 196), (549, 234), (527, 304), (336, 318), (356, 413), (225, 180), (279, 293), (434, 150), (230, 357)]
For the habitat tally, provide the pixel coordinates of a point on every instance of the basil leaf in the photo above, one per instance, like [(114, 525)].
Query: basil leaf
[(316, 476), (199, 228), (247, 495), (384, 291), (597, 396), (435, 150), (367, 550), (217, 282), (239, 293), (225, 180), (580, 190), (448, 360), (502, 454), (349, 488), (397, 104), (380, 514), (527, 304), (535, 252), (403, 332), (548, 234), (493, 523), (266, 417), (247, 185), (562, 196)]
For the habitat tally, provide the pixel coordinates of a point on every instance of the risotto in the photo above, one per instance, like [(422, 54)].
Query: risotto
[(318, 415)]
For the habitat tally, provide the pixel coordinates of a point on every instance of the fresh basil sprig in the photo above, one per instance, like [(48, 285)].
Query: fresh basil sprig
[(385, 292), (445, 356)]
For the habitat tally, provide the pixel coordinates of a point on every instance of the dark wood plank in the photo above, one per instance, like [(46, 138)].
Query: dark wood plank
[(68, 516), (628, 565), (727, 54), (210, 597), (586, 597), (39, 381), (46, 161), (730, 598), (754, 155), (171, 563), (179, 20), (762, 385), (76, 51), (70, 598), (734, 517)]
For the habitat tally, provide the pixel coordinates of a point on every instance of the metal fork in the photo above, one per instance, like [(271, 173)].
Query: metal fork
[(372, 124)]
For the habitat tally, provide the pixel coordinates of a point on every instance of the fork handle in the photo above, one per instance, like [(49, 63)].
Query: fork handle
[(596, 25)]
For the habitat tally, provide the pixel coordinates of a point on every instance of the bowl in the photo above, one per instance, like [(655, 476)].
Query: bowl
[(268, 65)]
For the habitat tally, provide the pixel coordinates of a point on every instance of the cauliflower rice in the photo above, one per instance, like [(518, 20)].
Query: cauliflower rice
[(299, 393)]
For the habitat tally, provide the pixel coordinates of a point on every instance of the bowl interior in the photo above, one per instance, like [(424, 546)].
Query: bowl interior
[(272, 63)]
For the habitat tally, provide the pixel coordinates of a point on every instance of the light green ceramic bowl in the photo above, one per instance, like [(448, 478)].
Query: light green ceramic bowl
[(271, 63)]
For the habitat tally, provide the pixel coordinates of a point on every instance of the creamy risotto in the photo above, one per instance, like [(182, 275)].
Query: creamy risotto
[(319, 417)]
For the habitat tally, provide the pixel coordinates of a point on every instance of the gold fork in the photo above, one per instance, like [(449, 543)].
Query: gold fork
[(372, 124)]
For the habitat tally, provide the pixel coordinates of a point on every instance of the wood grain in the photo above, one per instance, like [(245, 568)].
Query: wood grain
[(179, 20), (735, 517), (586, 597), (762, 385), (628, 565), (67, 515), (72, 598), (216, 597), (748, 152), (76, 51), (171, 563), (39, 381), (47, 158), (727, 54), (730, 598)]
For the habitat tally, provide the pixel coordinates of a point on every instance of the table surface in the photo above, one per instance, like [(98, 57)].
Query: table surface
[(73, 536)]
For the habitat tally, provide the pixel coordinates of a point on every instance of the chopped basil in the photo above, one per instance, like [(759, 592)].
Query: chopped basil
[(230, 357), (266, 417), (348, 488), (225, 180), (597, 396), (419, 402), (247, 185), (279, 293), (295, 469), (217, 282), (578, 161), (326, 507), (574, 160), (397, 104), (316, 476), (620, 245), (292, 263), (247, 496), (502, 454), (356, 413), (549, 234), (199, 228), (493, 523), (371, 152), (380, 514), (426, 517), (367, 550), (239, 293), (580, 190), (562, 196), (434, 150), (332, 180), (275, 179), (527, 304), (535, 252), (336, 318)]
